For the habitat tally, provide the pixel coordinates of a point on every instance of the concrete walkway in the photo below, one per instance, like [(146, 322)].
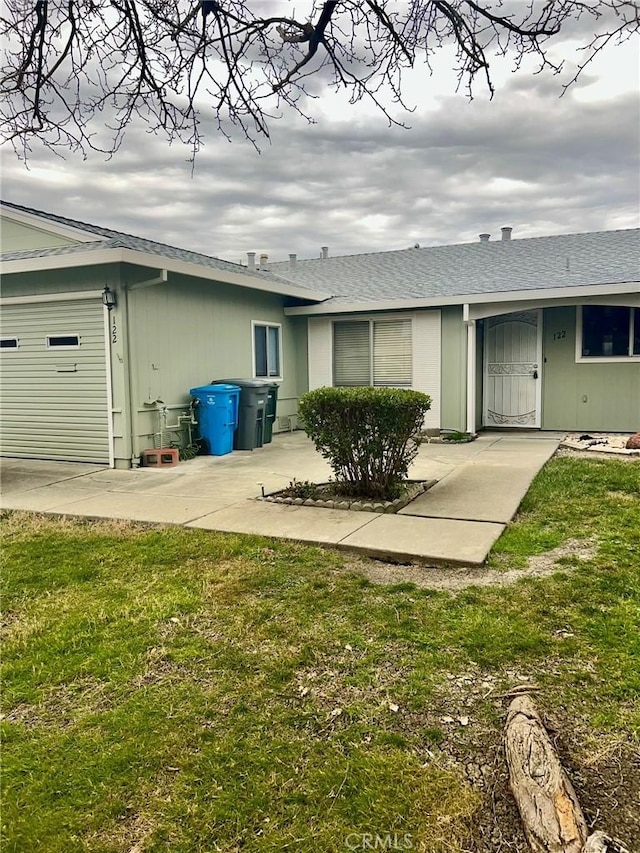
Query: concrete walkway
[(480, 486)]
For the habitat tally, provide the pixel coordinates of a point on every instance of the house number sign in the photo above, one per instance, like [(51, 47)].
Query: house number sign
[(114, 332), (561, 334)]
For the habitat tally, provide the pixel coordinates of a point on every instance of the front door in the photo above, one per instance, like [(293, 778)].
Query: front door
[(512, 370)]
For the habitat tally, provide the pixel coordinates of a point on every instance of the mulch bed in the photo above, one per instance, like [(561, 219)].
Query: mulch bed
[(327, 498)]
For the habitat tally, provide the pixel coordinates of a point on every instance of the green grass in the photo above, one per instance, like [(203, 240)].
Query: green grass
[(172, 689)]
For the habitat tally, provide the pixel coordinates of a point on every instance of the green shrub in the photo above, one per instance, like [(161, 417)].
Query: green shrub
[(366, 434), (301, 489)]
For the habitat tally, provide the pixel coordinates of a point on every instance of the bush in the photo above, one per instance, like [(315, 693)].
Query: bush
[(366, 434)]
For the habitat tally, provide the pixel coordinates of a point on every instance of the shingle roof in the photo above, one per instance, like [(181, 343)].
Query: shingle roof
[(110, 239), (440, 272), (569, 260)]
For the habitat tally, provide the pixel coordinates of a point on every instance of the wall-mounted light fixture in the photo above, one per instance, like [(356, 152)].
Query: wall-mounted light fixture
[(109, 298)]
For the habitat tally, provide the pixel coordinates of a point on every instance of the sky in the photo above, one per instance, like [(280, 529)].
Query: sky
[(528, 158)]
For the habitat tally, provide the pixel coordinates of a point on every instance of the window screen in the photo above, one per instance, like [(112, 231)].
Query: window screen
[(392, 362), (372, 352), (273, 350), (352, 353)]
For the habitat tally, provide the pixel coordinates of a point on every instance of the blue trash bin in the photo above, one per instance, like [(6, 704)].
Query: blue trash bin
[(217, 416)]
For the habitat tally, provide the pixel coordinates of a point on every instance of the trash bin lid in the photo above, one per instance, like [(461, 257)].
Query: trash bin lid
[(245, 383), (214, 388)]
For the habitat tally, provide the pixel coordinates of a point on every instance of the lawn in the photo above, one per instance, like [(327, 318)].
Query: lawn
[(173, 689)]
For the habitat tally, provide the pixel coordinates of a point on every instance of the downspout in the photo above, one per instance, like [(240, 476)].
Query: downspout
[(471, 369), (161, 278)]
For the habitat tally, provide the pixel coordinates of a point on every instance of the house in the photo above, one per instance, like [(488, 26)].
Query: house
[(540, 333), (103, 334)]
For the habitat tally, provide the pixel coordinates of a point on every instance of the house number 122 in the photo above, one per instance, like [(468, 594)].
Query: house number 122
[(561, 334)]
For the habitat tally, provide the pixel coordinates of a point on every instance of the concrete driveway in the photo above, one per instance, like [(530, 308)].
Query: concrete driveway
[(480, 486)]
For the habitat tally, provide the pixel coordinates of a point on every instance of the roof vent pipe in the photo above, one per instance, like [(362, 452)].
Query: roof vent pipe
[(292, 261), (251, 261), (264, 262), (484, 238), (325, 251), (506, 233)]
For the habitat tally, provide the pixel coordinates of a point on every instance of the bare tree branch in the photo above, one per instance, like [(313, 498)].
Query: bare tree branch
[(75, 74)]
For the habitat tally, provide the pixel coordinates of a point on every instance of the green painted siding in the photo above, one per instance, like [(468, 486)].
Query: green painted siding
[(454, 369), (17, 237), (60, 281), (168, 338), (187, 332), (584, 397)]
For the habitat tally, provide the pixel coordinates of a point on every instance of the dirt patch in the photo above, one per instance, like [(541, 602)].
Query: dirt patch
[(456, 579), (63, 706), (129, 832), (470, 710), (549, 562), (607, 791)]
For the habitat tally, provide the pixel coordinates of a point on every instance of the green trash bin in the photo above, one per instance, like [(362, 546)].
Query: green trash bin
[(270, 415), (251, 412)]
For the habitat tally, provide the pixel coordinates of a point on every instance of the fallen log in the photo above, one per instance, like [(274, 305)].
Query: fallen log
[(551, 815)]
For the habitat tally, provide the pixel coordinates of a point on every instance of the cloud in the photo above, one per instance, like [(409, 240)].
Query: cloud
[(528, 158)]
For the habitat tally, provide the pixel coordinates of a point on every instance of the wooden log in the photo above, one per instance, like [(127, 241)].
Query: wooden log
[(551, 814)]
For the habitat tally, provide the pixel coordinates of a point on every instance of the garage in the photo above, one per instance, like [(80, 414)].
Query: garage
[(54, 388)]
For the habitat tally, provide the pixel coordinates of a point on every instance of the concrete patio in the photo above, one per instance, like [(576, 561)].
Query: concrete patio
[(480, 486)]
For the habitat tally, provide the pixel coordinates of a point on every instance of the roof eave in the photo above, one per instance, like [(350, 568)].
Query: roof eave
[(131, 256), (469, 299)]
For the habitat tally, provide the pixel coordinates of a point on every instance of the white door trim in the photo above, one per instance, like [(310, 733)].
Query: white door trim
[(471, 377)]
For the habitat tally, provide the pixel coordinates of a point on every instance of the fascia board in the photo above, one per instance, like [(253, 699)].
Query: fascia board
[(491, 309), (130, 256), (187, 268), (62, 261), (45, 224), (551, 293)]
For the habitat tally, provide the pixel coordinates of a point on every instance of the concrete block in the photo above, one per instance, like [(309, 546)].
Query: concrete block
[(429, 540)]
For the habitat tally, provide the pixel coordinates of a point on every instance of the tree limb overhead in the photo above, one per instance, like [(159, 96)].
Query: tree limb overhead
[(75, 74)]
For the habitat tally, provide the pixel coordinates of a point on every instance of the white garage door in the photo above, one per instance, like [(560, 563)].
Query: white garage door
[(53, 381)]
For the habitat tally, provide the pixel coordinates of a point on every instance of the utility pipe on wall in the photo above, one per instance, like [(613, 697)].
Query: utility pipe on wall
[(471, 369)]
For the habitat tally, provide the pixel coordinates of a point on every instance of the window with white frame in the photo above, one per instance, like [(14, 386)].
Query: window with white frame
[(608, 331), (373, 352), (63, 341), (267, 350)]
